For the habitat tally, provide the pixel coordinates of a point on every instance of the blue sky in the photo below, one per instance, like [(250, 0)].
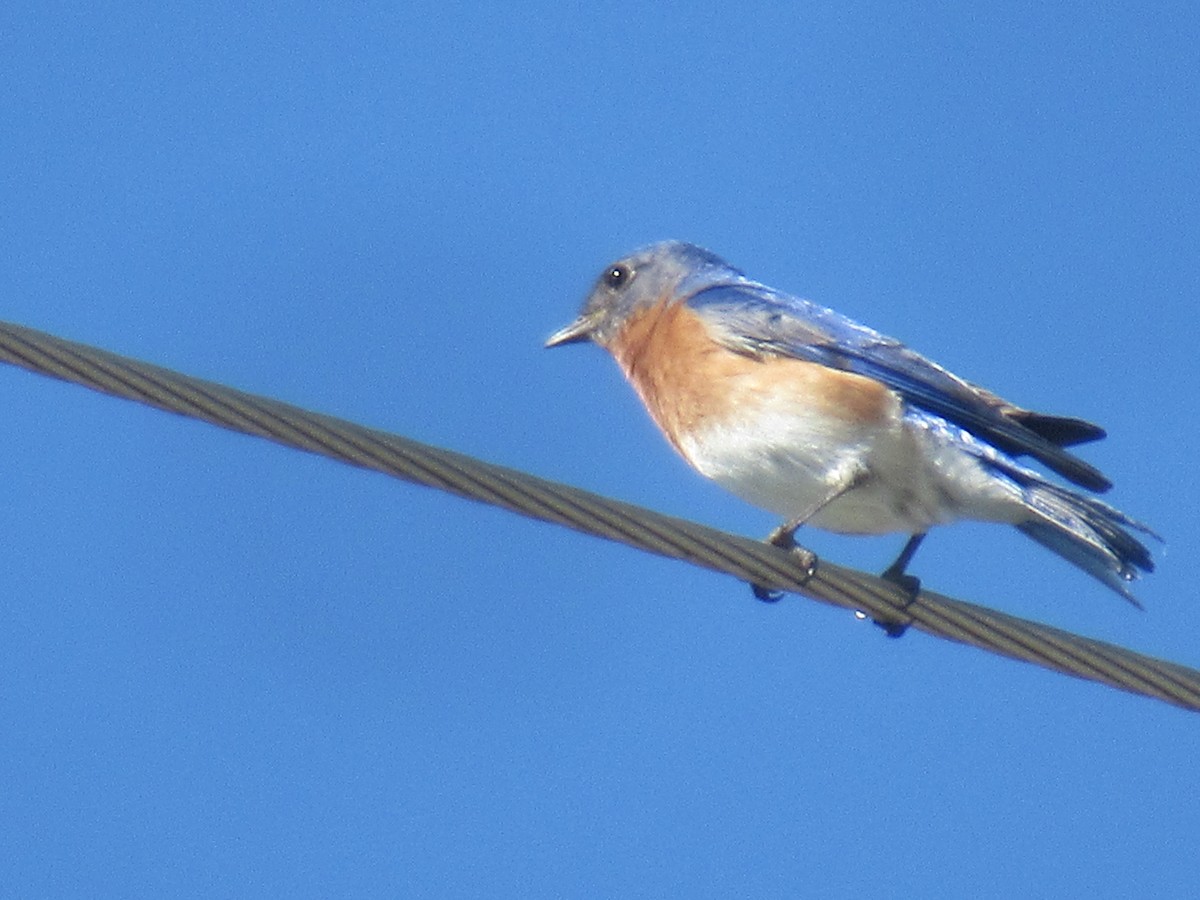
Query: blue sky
[(229, 669)]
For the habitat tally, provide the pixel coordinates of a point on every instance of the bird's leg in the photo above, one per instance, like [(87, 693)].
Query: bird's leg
[(895, 572), (784, 536), (910, 584)]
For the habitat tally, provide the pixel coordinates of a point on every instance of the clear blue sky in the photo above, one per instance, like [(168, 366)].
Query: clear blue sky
[(228, 669)]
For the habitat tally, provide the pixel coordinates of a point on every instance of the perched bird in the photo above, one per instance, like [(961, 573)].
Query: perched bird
[(803, 412)]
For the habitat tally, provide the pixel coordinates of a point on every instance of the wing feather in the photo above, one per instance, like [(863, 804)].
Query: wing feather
[(750, 318)]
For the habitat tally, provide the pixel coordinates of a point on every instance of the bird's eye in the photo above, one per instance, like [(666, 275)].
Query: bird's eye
[(618, 275)]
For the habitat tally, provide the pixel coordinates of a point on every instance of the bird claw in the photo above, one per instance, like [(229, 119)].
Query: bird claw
[(891, 628), (784, 540), (765, 594), (911, 585)]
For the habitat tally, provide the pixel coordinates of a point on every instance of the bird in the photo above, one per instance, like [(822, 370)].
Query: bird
[(803, 412)]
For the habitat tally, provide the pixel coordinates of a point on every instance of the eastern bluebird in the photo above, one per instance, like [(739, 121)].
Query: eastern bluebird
[(803, 412)]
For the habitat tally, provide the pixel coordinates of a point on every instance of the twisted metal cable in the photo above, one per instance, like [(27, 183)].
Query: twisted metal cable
[(752, 561)]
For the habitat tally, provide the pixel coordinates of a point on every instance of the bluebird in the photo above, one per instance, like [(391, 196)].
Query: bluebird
[(818, 419)]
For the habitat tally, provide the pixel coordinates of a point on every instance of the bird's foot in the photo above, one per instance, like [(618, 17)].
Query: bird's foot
[(911, 585), (784, 537)]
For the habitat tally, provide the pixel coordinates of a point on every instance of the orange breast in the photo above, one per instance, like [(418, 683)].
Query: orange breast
[(688, 381)]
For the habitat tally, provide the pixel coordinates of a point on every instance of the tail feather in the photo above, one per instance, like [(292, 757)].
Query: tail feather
[(1093, 535), (1061, 430)]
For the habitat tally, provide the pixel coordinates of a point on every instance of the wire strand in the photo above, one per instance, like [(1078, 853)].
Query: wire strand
[(753, 561)]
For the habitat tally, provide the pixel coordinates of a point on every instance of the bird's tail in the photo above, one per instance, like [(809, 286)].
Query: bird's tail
[(1091, 534)]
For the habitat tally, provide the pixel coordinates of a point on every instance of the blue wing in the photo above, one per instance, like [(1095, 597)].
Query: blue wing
[(751, 318)]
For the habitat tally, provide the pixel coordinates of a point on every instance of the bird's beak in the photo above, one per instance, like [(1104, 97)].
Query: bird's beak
[(579, 330)]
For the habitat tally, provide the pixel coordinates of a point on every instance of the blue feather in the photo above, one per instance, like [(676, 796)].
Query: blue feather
[(751, 318)]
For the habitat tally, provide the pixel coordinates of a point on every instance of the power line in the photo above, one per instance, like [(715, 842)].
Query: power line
[(753, 561)]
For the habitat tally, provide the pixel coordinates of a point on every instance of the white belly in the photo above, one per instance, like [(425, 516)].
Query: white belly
[(911, 477)]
